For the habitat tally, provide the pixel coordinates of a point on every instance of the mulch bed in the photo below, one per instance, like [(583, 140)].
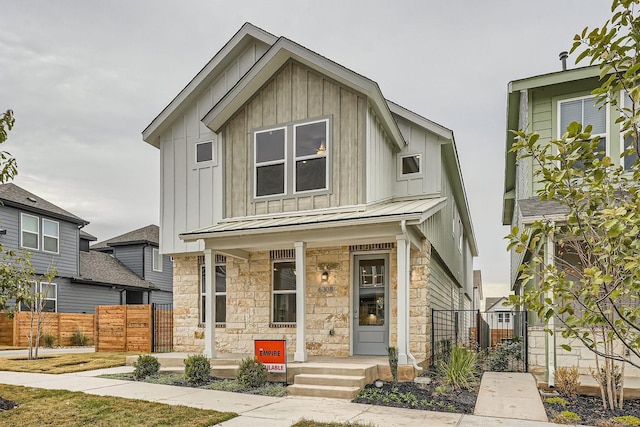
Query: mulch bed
[(5, 404), (419, 396), (590, 409)]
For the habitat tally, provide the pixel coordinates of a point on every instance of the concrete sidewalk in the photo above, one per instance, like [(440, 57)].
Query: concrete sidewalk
[(512, 395), (259, 410)]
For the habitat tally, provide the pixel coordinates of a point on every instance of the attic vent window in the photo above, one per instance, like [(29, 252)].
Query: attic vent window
[(411, 164), (31, 199), (204, 152)]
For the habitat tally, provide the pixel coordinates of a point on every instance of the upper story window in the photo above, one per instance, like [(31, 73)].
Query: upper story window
[(157, 260), (291, 159), (29, 231), (626, 142), (50, 236), (204, 151), (410, 164), (583, 110)]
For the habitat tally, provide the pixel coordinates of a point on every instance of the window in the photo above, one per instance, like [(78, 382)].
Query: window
[(157, 260), (49, 294), (50, 236), (629, 160), (204, 151), (504, 317), (583, 110), (30, 231), (220, 281), (299, 151), (203, 294), (410, 164), (284, 292), (460, 236)]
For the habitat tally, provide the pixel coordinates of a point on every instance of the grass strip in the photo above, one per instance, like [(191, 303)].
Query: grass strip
[(63, 363)]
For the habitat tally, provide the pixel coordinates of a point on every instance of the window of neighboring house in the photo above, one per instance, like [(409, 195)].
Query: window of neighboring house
[(157, 260), (29, 231), (504, 317), (626, 142), (583, 110), (310, 152), (410, 164), (284, 292), (269, 157), (50, 236), (49, 299), (204, 151)]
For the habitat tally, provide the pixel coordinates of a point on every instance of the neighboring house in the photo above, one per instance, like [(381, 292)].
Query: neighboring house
[(546, 104), (299, 203), (139, 251), (54, 239), (477, 290)]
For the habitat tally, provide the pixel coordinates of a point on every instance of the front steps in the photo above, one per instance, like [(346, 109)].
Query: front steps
[(341, 381)]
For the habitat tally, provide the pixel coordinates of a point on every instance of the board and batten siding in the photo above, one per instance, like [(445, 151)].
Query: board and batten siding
[(189, 191), (296, 93), (428, 146), (381, 170), (65, 261)]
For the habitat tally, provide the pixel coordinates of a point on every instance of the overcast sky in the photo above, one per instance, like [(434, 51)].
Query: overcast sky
[(84, 78)]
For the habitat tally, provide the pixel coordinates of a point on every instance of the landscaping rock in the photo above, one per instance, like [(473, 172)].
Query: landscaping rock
[(5, 404)]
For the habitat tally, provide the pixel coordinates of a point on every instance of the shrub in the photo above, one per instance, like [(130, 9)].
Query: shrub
[(145, 366), (628, 420), (252, 373), (567, 417), (567, 381), (556, 401), (393, 362), (197, 368), (504, 356), (79, 338), (459, 370), (48, 339)]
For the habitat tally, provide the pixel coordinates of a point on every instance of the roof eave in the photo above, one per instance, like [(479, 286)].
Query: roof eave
[(28, 208)]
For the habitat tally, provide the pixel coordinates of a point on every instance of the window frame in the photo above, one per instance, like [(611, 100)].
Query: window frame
[(22, 231), (281, 292), (195, 153), (156, 255), (203, 295), (403, 175), (57, 238), (256, 165), (607, 131), (326, 156), (38, 289), (220, 294)]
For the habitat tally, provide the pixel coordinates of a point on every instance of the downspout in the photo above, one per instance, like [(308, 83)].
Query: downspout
[(414, 362)]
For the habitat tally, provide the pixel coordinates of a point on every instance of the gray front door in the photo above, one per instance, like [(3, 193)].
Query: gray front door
[(371, 304)]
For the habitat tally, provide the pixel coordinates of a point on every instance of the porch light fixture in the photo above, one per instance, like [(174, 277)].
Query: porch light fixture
[(325, 276), (322, 149)]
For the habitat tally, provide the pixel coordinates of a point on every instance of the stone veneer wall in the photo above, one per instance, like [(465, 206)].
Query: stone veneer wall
[(579, 356), (249, 297)]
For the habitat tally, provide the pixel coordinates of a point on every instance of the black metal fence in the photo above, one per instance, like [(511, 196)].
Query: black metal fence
[(500, 337), (162, 318)]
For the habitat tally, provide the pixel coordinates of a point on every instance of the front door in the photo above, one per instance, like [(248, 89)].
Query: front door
[(370, 305)]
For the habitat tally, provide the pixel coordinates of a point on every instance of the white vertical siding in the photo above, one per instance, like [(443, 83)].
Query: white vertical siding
[(380, 173), (188, 190)]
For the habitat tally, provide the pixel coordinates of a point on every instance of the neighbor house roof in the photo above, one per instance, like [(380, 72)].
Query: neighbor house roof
[(86, 236), (533, 209), (98, 268), (494, 303), (149, 234)]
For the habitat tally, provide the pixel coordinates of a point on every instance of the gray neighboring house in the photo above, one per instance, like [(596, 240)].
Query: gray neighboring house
[(54, 238), (139, 251)]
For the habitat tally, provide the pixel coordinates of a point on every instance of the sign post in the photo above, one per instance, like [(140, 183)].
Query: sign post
[(273, 354)]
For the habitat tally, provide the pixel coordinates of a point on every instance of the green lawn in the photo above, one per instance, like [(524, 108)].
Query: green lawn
[(63, 363)]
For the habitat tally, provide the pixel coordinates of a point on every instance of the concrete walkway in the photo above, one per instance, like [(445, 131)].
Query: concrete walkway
[(268, 411), (512, 395)]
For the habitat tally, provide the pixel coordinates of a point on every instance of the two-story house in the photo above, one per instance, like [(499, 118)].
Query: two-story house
[(300, 204), (139, 251), (547, 104), (55, 240)]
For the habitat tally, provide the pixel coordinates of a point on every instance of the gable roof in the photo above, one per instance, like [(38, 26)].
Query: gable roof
[(278, 54), (494, 303), (98, 268), (86, 236), (239, 41), (18, 197), (149, 234)]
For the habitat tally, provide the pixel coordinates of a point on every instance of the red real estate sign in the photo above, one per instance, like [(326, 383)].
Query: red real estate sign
[(273, 353)]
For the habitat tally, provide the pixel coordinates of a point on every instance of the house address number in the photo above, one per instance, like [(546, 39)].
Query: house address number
[(326, 289)]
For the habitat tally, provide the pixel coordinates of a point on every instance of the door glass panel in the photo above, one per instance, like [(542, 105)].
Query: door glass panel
[(372, 292)]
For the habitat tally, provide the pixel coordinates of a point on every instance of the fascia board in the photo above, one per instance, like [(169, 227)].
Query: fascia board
[(279, 53), (247, 32), (555, 78), (423, 122)]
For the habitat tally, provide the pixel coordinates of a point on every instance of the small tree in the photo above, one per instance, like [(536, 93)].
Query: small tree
[(585, 270), (34, 298)]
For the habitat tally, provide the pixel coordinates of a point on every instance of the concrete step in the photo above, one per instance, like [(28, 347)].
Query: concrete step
[(335, 392), (332, 369), (224, 371), (330, 380)]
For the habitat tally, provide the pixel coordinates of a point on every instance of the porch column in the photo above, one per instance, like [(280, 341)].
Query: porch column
[(301, 337), (403, 247), (550, 252), (210, 306)]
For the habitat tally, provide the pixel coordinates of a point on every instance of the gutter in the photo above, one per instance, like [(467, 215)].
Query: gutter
[(414, 362)]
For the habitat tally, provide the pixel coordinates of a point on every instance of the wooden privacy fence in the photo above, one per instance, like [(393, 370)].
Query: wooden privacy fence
[(124, 328), (15, 332)]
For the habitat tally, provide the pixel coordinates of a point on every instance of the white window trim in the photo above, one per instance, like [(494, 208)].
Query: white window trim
[(22, 230), (156, 255), (50, 236), (213, 153), (327, 143), (413, 174), (55, 288), (284, 162), (607, 131), (622, 104), (274, 292)]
